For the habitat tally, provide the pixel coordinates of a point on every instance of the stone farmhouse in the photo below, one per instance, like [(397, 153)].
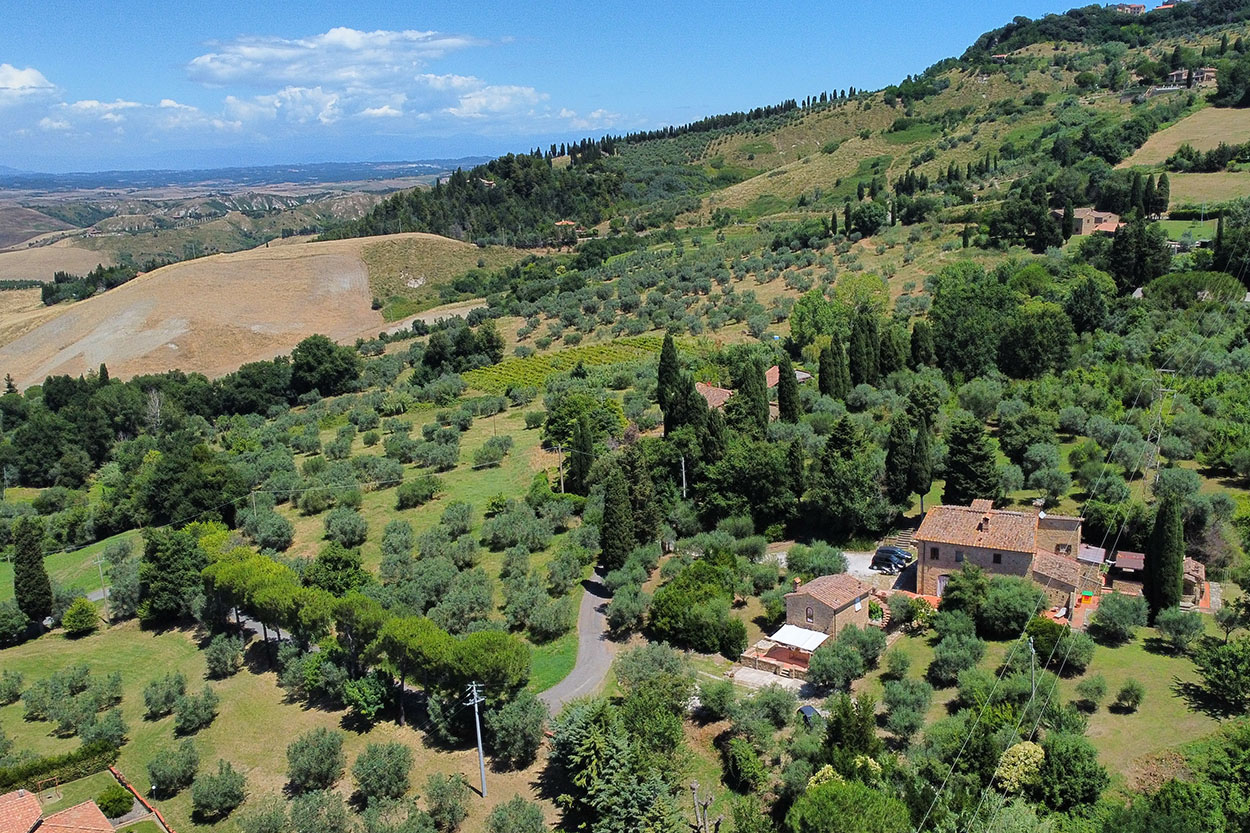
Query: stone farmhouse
[(1028, 544)]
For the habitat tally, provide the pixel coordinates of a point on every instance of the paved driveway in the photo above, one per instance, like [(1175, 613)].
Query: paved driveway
[(594, 650)]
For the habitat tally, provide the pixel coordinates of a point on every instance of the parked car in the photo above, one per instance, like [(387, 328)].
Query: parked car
[(890, 560)]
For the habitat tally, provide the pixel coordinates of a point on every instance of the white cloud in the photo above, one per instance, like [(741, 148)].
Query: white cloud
[(599, 119), (339, 57), (18, 85), (300, 105), (385, 111), (47, 123), (496, 99), (93, 106)]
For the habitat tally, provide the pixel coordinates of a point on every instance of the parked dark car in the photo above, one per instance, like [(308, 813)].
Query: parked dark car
[(890, 559)]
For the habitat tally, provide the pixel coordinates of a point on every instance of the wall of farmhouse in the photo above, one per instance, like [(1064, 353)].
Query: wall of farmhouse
[(824, 618), (1059, 535), (951, 559)]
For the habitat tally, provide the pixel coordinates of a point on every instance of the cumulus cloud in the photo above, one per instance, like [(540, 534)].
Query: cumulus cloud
[(496, 99), (18, 85), (385, 111), (339, 57)]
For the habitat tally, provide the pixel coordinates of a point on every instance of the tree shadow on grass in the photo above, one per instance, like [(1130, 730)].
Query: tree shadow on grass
[(1200, 700), (1159, 646)]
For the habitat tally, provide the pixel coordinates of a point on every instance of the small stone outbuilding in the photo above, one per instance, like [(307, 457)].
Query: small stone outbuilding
[(828, 603)]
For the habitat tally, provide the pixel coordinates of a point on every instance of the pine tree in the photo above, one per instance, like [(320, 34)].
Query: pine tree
[(971, 472), (787, 391), (1165, 559), (616, 534), (826, 374), (31, 587), (581, 456), (922, 461), (668, 372), (923, 353), (899, 450)]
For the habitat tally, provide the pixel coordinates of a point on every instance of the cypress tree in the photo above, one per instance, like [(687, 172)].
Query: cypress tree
[(1163, 195), (102, 378), (892, 353), (923, 353), (971, 472), (794, 462), (747, 409), (646, 509), (714, 437), (922, 461), (899, 451), (616, 533), (846, 216), (863, 351), (1068, 227), (1148, 196), (842, 373), (581, 456), (668, 372), (787, 391), (31, 587), (686, 407), (833, 223), (826, 374), (1165, 559)]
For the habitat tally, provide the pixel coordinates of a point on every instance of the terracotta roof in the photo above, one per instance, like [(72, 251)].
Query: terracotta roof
[(975, 526), (1055, 570), (1195, 570), (1126, 560), (81, 818), (773, 375), (837, 591), (19, 811), (716, 397)]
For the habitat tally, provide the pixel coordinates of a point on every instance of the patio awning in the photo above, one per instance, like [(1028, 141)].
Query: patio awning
[(801, 638)]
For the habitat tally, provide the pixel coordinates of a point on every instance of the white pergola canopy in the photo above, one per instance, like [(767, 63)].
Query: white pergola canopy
[(803, 639)]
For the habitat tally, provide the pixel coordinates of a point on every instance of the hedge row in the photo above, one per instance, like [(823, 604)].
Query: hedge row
[(87, 759)]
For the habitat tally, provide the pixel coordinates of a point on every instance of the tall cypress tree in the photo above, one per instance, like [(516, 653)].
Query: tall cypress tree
[(714, 437), (616, 533), (31, 587), (1068, 226), (794, 463), (842, 373), (747, 409), (1163, 195), (863, 351), (1148, 196), (923, 353), (825, 373), (1165, 559), (646, 509), (899, 451), (971, 472), (581, 456), (922, 461), (668, 372), (787, 391)]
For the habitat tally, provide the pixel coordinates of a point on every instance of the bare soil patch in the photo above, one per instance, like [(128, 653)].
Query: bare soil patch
[(1204, 130)]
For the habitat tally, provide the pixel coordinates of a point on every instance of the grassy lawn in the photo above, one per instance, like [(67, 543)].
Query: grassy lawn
[(252, 706), (145, 826), (76, 792), (75, 569), (553, 661), (1125, 742)]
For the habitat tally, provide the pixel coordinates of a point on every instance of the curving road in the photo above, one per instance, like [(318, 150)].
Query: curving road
[(594, 649)]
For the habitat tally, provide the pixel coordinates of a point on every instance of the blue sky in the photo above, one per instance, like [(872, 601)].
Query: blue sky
[(138, 84)]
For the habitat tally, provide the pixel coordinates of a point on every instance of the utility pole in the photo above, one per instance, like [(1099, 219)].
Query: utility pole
[(560, 450), (474, 700), (99, 562), (683, 477), (1033, 667)]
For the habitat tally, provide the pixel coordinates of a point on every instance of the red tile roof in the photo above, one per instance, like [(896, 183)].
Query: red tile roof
[(1055, 571), (19, 811), (716, 397), (773, 375), (975, 526), (81, 818), (837, 591), (1126, 560)]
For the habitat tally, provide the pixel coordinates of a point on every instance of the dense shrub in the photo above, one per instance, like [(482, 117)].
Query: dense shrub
[(382, 771), (173, 769), (952, 655), (193, 712), (315, 760), (80, 618), (216, 795), (115, 801), (224, 656)]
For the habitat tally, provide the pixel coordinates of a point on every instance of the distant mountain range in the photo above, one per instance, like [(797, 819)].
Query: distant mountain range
[(233, 177)]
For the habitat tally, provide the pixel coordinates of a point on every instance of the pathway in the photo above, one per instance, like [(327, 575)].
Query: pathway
[(594, 650)]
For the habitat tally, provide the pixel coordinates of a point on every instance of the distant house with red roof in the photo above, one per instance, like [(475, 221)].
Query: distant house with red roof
[(716, 397), (19, 812), (773, 375), (81, 818), (1090, 221)]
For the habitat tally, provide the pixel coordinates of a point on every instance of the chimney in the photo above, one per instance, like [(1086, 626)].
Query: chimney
[(1038, 505), (797, 583)]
